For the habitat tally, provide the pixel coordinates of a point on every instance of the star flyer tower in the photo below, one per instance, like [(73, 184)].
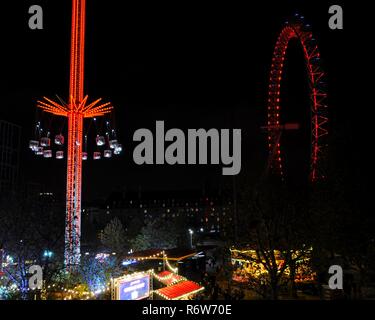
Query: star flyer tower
[(75, 111)]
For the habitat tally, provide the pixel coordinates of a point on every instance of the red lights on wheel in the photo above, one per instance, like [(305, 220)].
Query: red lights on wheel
[(319, 117)]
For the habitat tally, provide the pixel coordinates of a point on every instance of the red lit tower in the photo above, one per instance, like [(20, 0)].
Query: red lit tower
[(75, 110)]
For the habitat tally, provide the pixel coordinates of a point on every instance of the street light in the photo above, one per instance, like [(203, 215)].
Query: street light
[(47, 254), (191, 237)]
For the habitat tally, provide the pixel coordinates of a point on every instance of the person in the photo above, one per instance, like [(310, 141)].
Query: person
[(349, 286), (241, 294), (227, 295), (215, 292)]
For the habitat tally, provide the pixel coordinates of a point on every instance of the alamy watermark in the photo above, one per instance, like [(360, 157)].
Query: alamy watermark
[(219, 143), (336, 280), (36, 279), (36, 19), (336, 20)]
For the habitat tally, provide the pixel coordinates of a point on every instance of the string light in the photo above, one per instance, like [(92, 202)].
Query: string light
[(155, 256), (175, 270), (170, 276)]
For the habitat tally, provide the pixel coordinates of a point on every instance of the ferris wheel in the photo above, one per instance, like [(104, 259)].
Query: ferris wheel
[(276, 128)]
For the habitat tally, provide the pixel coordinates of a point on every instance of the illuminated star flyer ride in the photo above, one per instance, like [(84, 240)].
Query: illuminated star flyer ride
[(297, 29), (75, 111)]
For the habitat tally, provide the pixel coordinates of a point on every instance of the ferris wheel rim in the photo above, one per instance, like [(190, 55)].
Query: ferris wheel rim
[(318, 108)]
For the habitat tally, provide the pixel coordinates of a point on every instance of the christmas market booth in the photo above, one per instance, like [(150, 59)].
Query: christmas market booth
[(184, 290), (251, 264), (147, 283)]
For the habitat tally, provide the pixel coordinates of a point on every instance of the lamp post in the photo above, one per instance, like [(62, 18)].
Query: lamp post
[(47, 254), (191, 238)]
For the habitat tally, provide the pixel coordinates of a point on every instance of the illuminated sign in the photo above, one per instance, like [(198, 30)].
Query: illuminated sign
[(134, 288), (128, 262)]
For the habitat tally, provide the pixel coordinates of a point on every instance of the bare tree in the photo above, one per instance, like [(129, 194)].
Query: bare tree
[(28, 229), (156, 234), (275, 233), (113, 236)]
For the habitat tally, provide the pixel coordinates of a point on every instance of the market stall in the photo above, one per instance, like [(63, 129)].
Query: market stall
[(184, 290)]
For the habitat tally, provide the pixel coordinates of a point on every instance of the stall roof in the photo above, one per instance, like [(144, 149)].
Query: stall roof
[(179, 290)]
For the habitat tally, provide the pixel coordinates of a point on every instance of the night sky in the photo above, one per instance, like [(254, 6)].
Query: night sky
[(191, 65)]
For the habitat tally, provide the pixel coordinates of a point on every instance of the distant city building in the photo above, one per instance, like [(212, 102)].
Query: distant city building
[(33, 189), (206, 215), (10, 143)]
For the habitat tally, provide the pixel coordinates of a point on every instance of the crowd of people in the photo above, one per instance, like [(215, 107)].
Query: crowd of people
[(216, 288)]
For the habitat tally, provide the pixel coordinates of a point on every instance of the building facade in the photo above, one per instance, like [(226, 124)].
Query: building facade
[(10, 143), (206, 215)]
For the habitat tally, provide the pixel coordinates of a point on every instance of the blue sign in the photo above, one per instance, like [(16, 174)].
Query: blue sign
[(135, 288)]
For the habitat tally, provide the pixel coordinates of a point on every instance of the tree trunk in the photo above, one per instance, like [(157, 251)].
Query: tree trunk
[(292, 283), (274, 289)]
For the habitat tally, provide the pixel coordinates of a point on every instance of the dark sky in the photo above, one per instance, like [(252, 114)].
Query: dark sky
[(189, 64)]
